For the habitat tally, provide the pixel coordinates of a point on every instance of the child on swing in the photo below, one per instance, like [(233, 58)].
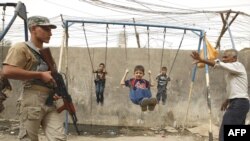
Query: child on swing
[(162, 82), (100, 83), (140, 93)]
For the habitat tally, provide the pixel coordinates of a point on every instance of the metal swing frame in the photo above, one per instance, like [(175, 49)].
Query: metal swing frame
[(20, 10), (198, 32)]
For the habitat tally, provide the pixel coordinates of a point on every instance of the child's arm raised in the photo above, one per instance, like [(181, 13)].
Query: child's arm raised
[(150, 79), (124, 77)]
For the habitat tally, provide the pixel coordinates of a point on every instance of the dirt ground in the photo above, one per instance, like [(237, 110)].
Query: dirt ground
[(9, 131), (118, 138)]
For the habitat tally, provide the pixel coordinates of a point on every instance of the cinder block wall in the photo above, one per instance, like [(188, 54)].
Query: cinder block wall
[(118, 109)]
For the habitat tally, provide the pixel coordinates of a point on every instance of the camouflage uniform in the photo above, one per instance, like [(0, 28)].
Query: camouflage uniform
[(32, 110)]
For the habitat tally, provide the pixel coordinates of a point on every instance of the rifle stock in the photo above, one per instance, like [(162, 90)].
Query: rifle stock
[(60, 88), (65, 106)]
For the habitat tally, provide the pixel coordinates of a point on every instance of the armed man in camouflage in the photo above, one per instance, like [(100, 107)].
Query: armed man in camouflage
[(23, 62)]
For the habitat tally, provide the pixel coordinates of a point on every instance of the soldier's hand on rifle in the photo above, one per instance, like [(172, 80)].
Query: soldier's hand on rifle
[(47, 77), (56, 97)]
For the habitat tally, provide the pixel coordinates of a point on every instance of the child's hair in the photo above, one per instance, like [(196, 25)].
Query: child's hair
[(101, 64), (164, 68), (139, 67)]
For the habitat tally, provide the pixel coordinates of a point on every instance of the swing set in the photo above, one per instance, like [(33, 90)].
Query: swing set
[(200, 33)]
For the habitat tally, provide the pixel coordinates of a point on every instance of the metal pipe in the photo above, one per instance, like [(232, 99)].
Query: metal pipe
[(66, 45), (210, 136), (192, 82), (19, 7), (134, 24), (230, 34)]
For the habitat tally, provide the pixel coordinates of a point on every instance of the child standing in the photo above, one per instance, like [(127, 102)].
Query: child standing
[(162, 82), (140, 93), (100, 83)]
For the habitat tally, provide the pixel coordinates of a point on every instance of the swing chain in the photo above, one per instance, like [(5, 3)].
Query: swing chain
[(163, 45), (106, 49), (177, 52), (148, 48), (125, 42), (86, 40)]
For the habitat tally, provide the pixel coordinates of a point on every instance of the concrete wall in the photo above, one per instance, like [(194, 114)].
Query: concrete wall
[(118, 109)]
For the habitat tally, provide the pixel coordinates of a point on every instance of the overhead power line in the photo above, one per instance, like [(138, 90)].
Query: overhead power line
[(111, 5)]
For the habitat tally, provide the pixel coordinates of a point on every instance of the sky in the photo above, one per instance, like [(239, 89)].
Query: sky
[(92, 10), (52, 8)]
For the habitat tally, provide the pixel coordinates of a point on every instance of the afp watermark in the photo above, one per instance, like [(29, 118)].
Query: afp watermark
[(237, 132)]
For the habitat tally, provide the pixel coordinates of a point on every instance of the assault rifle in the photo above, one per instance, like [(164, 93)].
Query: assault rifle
[(60, 88)]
